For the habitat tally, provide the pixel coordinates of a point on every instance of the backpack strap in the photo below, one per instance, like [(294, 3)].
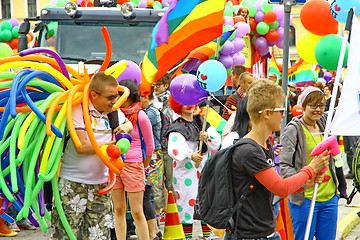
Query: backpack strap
[(143, 144), (247, 189)]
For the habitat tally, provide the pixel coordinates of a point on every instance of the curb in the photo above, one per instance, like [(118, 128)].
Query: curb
[(347, 223)]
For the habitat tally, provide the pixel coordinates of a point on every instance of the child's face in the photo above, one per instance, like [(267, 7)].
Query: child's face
[(244, 13), (160, 87)]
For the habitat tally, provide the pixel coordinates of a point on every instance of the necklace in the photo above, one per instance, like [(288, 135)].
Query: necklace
[(314, 126)]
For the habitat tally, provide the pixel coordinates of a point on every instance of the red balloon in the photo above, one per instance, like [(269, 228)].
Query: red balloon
[(270, 17), (297, 110), (238, 19), (272, 35), (113, 151), (87, 3), (122, 1), (252, 24), (316, 17), (14, 43)]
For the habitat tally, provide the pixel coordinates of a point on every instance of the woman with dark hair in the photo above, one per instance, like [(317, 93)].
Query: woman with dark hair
[(132, 178), (241, 127)]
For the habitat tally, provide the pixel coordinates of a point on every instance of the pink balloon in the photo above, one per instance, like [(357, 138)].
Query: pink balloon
[(279, 10), (238, 59), (227, 48), (142, 4), (263, 51), (131, 72), (258, 5), (239, 44), (228, 21), (280, 43), (242, 29), (167, 3)]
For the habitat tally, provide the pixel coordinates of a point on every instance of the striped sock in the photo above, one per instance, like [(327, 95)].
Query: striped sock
[(188, 228), (205, 229)]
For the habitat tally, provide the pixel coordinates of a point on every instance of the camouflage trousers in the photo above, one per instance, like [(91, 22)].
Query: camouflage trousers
[(89, 214)]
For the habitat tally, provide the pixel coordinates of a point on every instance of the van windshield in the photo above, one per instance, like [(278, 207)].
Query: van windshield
[(84, 41)]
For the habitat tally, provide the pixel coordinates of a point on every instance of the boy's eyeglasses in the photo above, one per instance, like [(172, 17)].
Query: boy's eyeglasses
[(157, 85), (315, 106), (281, 110), (110, 98)]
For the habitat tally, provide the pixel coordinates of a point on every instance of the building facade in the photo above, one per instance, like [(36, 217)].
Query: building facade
[(20, 9)]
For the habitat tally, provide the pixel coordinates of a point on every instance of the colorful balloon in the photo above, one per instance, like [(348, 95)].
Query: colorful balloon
[(305, 47), (262, 28), (340, 9), (211, 75), (113, 151), (316, 17), (327, 52), (185, 89), (124, 145)]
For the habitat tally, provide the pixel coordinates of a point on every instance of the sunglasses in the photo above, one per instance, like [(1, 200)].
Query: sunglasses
[(281, 110), (110, 98)]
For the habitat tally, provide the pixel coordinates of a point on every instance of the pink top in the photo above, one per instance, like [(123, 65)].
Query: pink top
[(135, 154)]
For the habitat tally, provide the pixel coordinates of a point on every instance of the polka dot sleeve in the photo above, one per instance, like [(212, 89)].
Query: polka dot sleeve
[(214, 139), (178, 148)]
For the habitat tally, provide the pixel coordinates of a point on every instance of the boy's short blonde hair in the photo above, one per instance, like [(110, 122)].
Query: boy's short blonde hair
[(263, 94)]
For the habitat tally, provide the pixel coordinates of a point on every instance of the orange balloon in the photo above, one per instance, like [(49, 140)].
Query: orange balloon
[(14, 43), (297, 110), (270, 17), (272, 35), (122, 1), (252, 24), (316, 17)]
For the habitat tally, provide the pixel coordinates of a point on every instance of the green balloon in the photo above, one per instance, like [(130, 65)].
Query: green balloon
[(15, 31), (6, 35), (274, 25), (6, 25), (266, 7), (327, 52), (229, 3), (61, 3), (236, 9), (124, 145), (262, 28), (136, 1), (49, 6), (157, 5), (228, 11)]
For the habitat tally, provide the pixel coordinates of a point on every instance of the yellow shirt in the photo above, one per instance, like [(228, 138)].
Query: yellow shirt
[(327, 189)]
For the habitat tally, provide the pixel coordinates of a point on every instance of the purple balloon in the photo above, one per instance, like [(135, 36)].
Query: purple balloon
[(226, 60), (279, 10), (258, 5), (131, 72), (280, 43), (242, 29), (228, 21), (263, 51), (186, 90), (238, 58), (280, 30), (191, 65), (259, 17), (227, 48), (261, 43), (142, 4), (123, 135), (239, 44), (167, 3), (327, 76), (14, 22)]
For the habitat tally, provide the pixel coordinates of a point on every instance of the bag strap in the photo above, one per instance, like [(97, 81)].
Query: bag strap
[(143, 144)]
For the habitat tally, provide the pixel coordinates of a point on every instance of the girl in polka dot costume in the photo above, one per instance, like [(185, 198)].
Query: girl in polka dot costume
[(184, 136)]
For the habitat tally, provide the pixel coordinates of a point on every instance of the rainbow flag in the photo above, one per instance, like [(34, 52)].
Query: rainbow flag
[(185, 26), (214, 119), (303, 75), (274, 67)]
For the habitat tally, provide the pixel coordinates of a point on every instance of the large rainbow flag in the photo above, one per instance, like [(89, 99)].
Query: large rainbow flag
[(185, 26)]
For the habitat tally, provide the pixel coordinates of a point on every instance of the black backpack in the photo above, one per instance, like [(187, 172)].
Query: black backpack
[(215, 202)]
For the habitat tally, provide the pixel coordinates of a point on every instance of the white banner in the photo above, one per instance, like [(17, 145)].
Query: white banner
[(346, 120)]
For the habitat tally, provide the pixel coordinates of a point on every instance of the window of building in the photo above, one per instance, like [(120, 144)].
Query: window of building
[(292, 37), (32, 11), (5, 9)]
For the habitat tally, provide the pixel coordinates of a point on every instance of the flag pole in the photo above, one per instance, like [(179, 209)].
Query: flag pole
[(331, 111), (204, 125)]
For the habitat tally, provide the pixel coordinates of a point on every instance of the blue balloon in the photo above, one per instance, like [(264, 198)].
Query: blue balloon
[(340, 9), (211, 75)]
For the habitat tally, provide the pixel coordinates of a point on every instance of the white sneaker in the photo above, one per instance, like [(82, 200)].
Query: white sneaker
[(14, 227)]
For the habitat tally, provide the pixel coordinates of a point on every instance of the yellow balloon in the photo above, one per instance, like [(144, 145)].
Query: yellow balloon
[(103, 150), (305, 47)]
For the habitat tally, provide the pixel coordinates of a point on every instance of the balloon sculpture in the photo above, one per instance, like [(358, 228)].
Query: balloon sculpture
[(37, 94)]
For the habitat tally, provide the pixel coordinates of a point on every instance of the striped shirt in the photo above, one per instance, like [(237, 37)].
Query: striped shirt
[(231, 101)]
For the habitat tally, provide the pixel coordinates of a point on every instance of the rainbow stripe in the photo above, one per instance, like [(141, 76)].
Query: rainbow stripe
[(185, 26)]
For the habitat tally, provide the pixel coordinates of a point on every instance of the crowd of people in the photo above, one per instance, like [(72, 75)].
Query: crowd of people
[(170, 145)]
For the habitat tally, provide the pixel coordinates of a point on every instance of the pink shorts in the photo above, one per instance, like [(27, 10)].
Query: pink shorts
[(131, 178)]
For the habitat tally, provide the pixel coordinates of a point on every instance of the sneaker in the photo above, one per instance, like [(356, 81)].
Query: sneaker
[(162, 217), (13, 226), (10, 234), (26, 225)]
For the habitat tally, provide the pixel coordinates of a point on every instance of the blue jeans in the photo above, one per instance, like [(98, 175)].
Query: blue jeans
[(324, 220)]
